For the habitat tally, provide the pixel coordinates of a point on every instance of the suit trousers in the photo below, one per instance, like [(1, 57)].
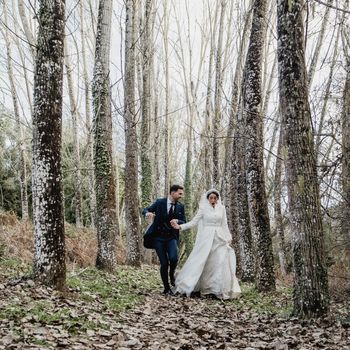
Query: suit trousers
[(167, 251)]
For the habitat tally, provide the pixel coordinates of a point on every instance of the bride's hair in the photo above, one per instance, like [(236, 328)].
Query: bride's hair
[(210, 192)]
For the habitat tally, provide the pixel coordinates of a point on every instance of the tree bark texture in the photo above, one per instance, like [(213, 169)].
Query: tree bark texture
[(106, 225), (252, 101), (311, 296), (131, 153), (346, 155), (49, 258)]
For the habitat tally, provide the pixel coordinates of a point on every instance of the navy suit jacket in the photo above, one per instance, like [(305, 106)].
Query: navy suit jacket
[(159, 225)]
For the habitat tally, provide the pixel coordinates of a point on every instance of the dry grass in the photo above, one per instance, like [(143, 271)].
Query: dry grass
[(16, 241)]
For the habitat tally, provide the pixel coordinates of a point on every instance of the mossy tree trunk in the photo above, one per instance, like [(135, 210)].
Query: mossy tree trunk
[(311, 297), (106, 224)]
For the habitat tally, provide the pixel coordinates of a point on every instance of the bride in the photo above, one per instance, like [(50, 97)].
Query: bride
[(211, 266)]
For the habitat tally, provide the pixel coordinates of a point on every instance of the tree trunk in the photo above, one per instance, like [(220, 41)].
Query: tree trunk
[(247, 261), (22, 164), (252, 100), (147, 52), (49, 258), (89, 131), (208, 107), (167, 98), (131, 158), (217, 99), (311, 296), (319, 43), (26, 28), (106, 224), (76, 151), (346, 153), (277, 205)]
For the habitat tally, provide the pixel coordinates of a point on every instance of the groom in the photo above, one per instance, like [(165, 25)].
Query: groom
[(162, 236)]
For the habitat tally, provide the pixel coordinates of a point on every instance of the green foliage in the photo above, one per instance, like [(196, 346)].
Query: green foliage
[(120, 290), (12, 267), (278, 302)]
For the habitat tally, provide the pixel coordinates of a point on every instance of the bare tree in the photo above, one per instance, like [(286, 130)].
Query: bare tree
[(346, 148), (22, 163), (89, 131), (131, 153), (311, 296), (252, 101), (147, 52), (49, 259), (78, 195), (106, 215), (218, 96)]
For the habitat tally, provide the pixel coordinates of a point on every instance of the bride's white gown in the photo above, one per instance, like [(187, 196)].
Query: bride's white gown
[(211, 266)]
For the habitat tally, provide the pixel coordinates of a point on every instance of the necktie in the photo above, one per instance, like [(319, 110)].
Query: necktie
[(172, 209)]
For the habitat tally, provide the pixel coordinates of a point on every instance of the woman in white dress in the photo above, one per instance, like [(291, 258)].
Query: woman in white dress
[(211, 266)]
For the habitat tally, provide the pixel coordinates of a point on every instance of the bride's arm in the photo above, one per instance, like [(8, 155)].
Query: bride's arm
[(226, 230), (193, 222)]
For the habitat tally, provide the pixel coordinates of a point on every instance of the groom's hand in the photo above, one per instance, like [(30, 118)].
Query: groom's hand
[(174, 224), (149, 216)]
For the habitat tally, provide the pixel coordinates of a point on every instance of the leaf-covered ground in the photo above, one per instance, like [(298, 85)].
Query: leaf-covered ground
[(127, 311)]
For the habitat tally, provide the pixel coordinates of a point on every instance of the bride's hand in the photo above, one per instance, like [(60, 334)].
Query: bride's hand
[(174, 224)]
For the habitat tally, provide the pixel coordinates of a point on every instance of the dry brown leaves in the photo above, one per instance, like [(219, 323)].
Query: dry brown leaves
[(158, 323)]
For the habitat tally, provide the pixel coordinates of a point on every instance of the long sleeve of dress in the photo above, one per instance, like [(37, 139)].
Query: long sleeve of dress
[(225, 230), (193, 222)]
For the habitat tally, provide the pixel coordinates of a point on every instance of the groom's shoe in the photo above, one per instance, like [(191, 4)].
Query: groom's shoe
[(168, 292)]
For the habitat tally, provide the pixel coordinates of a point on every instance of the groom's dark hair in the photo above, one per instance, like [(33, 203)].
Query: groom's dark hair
[(175, 188)]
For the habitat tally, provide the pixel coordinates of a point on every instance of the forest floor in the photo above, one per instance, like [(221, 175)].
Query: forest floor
[(126, 309)]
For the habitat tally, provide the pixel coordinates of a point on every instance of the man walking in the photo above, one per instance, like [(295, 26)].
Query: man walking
[(162, 237)]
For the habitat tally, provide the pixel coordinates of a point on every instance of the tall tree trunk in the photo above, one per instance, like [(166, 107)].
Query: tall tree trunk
[(217, 99), (235, 98), (277, 205), (147, 52), (49, 258), (208, 107), (22, 164), (167, 99), (246, 251), (131, 158), (320, 39), (252, 100), (327, 92), (106, 224), (26, 28), (78, 194), (311, 296), (89, 131), (346, 151)]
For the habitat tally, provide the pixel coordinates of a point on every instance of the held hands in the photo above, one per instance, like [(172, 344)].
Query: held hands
[(174, 224), (150, 216)]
